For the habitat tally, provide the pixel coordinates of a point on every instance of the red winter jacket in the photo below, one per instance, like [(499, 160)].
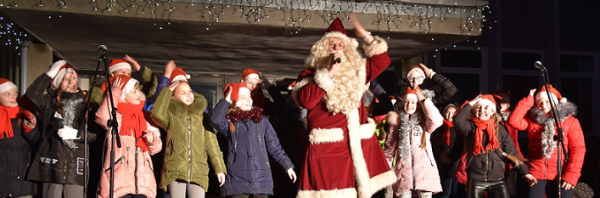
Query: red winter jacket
[(526, 118)]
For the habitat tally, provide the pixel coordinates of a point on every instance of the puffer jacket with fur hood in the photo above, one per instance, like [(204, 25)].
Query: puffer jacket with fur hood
[(134, 171), (543, 165), (415, 167)]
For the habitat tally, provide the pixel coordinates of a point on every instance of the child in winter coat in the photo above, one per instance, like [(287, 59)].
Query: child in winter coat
[(59, 161), (533, 114), (487, 144), (134, 173), (251, 139), (189, 144), (17, 135), (408, 137)]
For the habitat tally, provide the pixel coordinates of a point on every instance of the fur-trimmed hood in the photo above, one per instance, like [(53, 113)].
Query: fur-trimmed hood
[(198, 107), (565, 109)]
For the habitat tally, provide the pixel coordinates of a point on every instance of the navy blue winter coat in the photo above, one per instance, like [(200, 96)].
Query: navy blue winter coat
[(15, 157), (248, 168)]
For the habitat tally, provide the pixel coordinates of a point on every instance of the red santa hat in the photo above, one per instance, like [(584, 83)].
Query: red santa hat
[(235, 90), (487, 99), (127, 84), (410, 94), (179, 75), (337, 26), (249, 74), (6, 85), (556, 97), (417, 69), (117, 64), (66, 68)]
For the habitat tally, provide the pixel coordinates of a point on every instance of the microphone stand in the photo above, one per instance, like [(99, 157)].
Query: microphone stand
[(86, 110), (111, 123), (559, 137)]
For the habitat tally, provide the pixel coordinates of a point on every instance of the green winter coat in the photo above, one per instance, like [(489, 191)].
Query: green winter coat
[(144, 75), (189, 144)]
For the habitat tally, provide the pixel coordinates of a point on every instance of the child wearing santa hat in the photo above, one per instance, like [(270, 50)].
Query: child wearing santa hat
[(18, 134), (190, 144), (425, 78), (534, 115), (59, 161), (251, 139), (487, 144), (408, 143), (129, 67), (134, 172), (255, 82)]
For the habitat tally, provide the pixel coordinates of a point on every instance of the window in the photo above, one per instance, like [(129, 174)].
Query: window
[(519, 86), (520, 61), (576, 63), (578, 91), (467, 85), (461, 58)]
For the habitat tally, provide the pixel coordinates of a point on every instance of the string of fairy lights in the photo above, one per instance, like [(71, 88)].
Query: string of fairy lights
[(391, 16)]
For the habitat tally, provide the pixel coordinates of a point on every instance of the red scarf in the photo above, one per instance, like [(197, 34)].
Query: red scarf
[(133, 120), (447, 125), (489, 126), (6, 114)]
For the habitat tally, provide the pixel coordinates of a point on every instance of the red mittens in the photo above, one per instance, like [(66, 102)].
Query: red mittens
[(29, 121)]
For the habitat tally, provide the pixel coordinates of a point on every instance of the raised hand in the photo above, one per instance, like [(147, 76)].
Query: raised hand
[(173, 85), (136, 66), (474, 101), (29, 121), (55, 68), (426, 70), (228, 95), (532, 91), (169, 67), (117, 83), (359, 30)]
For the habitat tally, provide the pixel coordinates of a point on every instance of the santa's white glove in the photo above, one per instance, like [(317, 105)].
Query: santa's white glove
[(55, 68), (68, 133)]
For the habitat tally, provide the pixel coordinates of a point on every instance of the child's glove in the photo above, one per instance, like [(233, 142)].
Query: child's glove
[(68, 133), (55, 68), (29, 121)]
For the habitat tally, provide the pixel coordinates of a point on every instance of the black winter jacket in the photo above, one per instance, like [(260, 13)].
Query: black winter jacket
[(488, 166), (447, 89), (15, 157), (58, 161)]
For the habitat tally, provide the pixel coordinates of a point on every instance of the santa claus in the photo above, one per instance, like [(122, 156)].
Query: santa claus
[(343, 157)]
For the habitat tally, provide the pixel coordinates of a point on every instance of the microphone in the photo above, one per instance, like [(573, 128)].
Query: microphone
[(338, 60), (102, 49), (538, 64)]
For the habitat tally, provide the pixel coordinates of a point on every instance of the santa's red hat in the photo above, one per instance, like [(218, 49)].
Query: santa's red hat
[(556, 97), (487, 99), (417, 69), (410, 94), (127, 84), (117, 64), (235, 90), (66, 68), (249, 74), (179, 75), (6, 85), (337, 26)]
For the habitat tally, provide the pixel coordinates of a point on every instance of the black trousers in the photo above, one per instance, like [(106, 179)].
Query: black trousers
[(549, 187), (495, 189), (247, 196)]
